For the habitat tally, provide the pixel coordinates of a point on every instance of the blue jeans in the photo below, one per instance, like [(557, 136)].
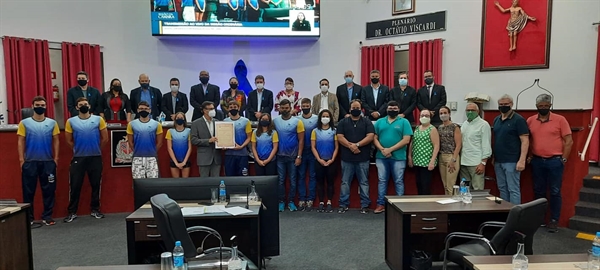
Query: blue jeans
[(385, 167), (308, 162), (509, 181), (234, 165), (286, 166), (548, 172), (349, 169)]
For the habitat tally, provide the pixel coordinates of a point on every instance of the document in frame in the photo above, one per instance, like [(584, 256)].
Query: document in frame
[(224, 131)]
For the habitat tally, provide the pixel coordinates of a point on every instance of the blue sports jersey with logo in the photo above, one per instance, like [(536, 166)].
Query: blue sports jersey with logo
[(288, 135), (86, 135), (309, 125), (242, 127), (264, 143), (38, 138), (144, 137), (324, 142), (179, 142)]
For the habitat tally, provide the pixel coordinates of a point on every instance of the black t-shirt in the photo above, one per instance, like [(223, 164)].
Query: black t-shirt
[(355, 131)]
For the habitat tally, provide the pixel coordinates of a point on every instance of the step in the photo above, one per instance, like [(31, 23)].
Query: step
[(587, 209), (589, 195), (592, 181), (584, 224)]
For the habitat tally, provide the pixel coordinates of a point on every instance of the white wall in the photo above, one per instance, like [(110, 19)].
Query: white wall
[(123, 28)]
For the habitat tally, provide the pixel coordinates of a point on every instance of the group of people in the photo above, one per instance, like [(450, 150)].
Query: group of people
[(308, 136)]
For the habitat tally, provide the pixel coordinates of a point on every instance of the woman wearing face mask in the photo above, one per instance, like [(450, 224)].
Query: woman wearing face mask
[(233, 94), (423, 151), (324, 146), (301, 24), (179, 147), (290, 94), (450, 145), (265, 143), (115, 104)]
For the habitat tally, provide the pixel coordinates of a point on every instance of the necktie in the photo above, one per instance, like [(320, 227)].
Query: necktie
[(429, 92)]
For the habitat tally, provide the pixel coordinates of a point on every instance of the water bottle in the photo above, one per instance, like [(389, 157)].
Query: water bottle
[(594, 263), (51, 178), (235, 263), (520, 261), (245, 172), (463, 187), (161, 117), (178, 263), (467, 197), (222, 192)]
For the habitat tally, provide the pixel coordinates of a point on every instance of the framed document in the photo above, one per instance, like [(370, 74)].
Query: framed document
[(225, 133)]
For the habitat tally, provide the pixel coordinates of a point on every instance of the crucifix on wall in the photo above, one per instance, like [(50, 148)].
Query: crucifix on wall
[(516, 23)]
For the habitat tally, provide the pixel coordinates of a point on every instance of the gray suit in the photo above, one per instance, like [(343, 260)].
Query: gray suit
[(209, 158)]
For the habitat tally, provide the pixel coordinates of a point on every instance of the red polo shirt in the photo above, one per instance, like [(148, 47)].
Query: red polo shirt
[(546, 139)]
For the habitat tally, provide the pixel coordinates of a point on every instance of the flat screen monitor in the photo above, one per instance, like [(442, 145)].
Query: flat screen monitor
[(278, 18)]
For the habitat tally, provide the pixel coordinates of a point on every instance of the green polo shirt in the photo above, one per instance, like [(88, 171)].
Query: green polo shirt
[(392, 133)]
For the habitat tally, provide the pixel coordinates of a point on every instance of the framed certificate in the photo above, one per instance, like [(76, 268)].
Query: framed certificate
[(225, 133)]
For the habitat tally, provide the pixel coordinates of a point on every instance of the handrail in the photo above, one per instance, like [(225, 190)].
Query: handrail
[(587, 142)]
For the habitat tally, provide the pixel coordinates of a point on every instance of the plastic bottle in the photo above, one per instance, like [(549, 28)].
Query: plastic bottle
[(178, 258), (222, 192), (520, 261), (463, 187), (161, 117), (595, 261), (245, 172)]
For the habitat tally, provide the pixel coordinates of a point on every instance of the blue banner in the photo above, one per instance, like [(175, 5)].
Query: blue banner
[(165, 16)]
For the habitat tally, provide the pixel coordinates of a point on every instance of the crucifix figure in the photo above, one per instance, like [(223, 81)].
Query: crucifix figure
[(517, 22)]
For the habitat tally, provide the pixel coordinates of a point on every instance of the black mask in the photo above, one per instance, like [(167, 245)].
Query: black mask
[(355, 112), (428, 81), (84, 109), (145, 85), (264, 123), (285, 113), (233, 85), (306, 111), (543, 112), (375, 80), (39, 110), (504, 109), (144, 114), (234, 112), (204, 80), (179, 121), (393, 114), (117, 88), (82, 82)]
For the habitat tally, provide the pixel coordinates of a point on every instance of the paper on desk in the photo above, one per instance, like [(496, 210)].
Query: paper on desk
[(447, 201), (237, 210), (192, 211), (217, 208), (494, 198)]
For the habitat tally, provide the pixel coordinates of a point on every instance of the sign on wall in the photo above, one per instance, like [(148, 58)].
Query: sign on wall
[(423, 23), (121, 154)]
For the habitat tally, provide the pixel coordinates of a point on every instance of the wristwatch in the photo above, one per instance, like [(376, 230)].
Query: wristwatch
[(357, 144), (453, 160), (484, 163), (300, 157), (564, 160)]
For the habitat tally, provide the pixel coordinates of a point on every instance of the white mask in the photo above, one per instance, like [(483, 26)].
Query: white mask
[(289, 87), (425, 120), (212, 113), (260, 86), (325, 121), (174, 88), (324, 88)]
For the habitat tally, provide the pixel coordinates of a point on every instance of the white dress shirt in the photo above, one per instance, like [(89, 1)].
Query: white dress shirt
[(210, 125), (259, 99), (324, 101)]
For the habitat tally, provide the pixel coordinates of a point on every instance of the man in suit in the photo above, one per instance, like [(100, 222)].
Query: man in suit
[(175, 101), (406, 96), (431, 97), (345, 93), (203, 91), (145, 92), (84, 90), (374, 97), (326, 100), (203, 137), (260, 100)]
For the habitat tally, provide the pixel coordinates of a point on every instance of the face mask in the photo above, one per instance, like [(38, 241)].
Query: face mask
[(84, 109), (425, 120), (145, 85), (285, 113), (117, 88), (306, 111), (212, 113), (233, 85), (355, 112), (348, 79), (143, 114), (39, 110), (444, 117), (543, 112), (204, 80), (179, 121), (403, 82), (289, 87), (375, 80), (504, 109), (429, 81), (325, 121), (471, 115), (264, 123), (82, 82), (324, 88), (260, 86), (393, 114), (174, 88), (234, 112)]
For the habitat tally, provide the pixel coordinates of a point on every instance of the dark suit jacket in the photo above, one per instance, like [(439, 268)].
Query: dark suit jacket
[(342, 96), (371, 105), (155, 97), (407, 100), (197, 96), (438, 99), (266, 106), (181, 105), (93, 97), (206, 151)]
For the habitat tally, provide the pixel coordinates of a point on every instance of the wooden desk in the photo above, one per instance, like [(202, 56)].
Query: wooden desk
[(536, 262), (114, 267), (420, 223), (144, 242), (15, 237)]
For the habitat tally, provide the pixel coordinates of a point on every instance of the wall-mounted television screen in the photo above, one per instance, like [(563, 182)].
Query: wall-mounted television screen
[(235, 18)]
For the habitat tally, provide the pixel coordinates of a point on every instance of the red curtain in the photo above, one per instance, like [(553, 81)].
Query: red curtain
[(595, 142), (28, 74), (422, 56), (80, 57), (377, 57)]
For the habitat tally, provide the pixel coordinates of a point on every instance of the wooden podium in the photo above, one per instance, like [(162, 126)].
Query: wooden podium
[(575, 168)]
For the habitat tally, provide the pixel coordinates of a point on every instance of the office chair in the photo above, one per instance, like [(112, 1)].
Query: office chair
[(26, 113), (523, 221)]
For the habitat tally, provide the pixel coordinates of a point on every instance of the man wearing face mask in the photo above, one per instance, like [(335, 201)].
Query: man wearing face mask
[(236, 159), (202, 92), (308, 161), (84, 90), (374, 97), (511, 142), (431, 97), (476, 147), (86, 134), (551, 143), (406, 97), (151, 95), (345, 93), (203, 137), (325, 101), (260, 100), (174, 101), (144, 137)]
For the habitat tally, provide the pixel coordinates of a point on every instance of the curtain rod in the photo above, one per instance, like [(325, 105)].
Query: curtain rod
[(403, 44), (56, 42), (596, 23)]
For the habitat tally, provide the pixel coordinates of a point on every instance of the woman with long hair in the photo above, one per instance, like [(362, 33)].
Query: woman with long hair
[(423, 151), (450, 145), (265, 142), (115, 104), (324, 145), (179, 146)]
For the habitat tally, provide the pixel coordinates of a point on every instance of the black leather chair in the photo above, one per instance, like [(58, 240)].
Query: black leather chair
[(522, 222), (171, 226), (26, 113)]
